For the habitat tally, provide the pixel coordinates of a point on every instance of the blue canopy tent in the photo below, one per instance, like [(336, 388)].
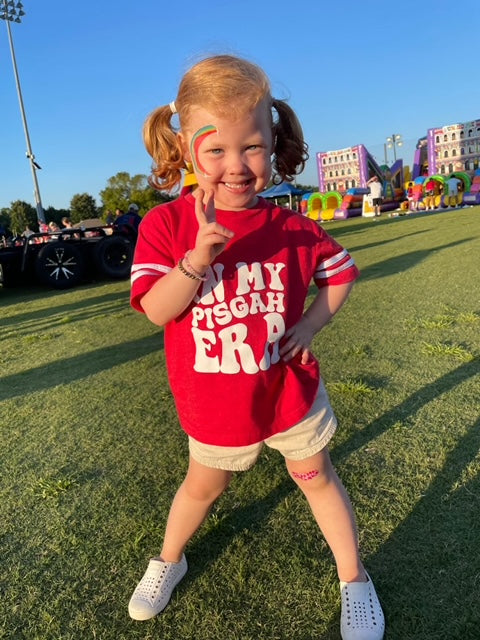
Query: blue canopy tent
[(282, 190)]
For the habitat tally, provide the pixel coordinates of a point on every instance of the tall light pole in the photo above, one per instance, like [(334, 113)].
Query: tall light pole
[(394, 141), (12, 12)]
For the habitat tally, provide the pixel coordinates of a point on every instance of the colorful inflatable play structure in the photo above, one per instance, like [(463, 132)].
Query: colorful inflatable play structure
[(343, 176), (440, 192), (445, 173)]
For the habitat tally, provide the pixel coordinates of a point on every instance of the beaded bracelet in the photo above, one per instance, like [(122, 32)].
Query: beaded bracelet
[(193, 276), (200, 276)]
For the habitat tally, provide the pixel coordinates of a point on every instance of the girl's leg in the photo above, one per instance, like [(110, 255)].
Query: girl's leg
[(191, 505), (332, 511)]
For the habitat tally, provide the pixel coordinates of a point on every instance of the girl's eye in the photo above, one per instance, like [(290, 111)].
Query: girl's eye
[(215, 152), (253, 147)]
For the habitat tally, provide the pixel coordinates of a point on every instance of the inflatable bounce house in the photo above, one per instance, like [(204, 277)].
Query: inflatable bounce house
[(343, 176), (446, 168), (445, 173)]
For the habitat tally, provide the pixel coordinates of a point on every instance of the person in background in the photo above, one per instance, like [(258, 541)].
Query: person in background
[(431, 191), (218, 268), (131, 219), (453, 184), (376, 191), (417, 196), (109, 217), (67, 223), (53, 230), (409, 194)]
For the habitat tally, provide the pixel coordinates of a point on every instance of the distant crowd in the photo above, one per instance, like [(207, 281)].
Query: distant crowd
[(124, 221)]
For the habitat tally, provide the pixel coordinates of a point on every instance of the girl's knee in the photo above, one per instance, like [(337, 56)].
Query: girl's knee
[(313, 473), (204, 483), (312, 479)]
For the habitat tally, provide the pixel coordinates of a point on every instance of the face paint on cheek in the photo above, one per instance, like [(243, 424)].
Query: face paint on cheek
[(195, 143)]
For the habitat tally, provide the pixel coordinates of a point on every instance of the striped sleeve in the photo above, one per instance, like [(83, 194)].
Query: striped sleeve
[(148, 269), (335, 266), (153, 257)]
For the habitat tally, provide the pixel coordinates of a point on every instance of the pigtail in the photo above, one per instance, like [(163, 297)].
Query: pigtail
[(162, 144), (290, 148)]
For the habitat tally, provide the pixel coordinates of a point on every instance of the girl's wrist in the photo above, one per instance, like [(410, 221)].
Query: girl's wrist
[(189, 271), (315, 326), (191, 259)]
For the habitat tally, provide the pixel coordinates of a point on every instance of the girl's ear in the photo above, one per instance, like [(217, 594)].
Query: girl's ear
[(184, 146)]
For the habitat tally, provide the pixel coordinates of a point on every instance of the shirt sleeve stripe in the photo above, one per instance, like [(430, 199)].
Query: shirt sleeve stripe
[(151, 265), (140, 270), (333, 260), (328, 273)]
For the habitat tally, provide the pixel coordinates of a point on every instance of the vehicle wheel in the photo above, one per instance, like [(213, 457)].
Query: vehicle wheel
[(113, 256), (5, 276), (4, 279), (60, 265)]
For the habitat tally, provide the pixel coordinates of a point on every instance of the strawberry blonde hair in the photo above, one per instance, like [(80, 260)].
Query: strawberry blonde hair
[(228, 87)]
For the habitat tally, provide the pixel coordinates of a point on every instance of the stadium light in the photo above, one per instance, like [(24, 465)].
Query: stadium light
[(394, 141), (11, 11)]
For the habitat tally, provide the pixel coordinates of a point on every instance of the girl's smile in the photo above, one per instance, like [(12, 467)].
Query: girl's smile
[(232, 158)]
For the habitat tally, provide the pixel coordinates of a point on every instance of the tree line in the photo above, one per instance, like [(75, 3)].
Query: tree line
[(121, 190)]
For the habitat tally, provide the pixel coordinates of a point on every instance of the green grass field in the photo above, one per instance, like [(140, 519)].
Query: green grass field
[(91, 455)]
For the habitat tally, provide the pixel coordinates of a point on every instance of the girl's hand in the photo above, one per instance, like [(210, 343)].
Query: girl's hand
[(297, 340), (211, 236)]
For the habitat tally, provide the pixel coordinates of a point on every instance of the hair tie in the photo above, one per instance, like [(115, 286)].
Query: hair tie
[(172, 106)]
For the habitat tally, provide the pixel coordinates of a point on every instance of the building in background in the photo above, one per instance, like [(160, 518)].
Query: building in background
[(454, 147)]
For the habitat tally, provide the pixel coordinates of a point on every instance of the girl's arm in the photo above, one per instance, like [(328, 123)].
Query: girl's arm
[(325, 305), (173, 292), (169, 297)]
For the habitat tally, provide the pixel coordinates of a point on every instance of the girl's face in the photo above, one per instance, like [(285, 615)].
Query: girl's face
[(230, 158)]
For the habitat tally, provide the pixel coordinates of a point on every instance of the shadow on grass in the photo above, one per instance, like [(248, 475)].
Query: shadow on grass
[(438, 540), (398, 264), (440, 547), (206, 548), (25, 293), (52, 316), (77, 367), (372, 245), (395, 264), (351, 227), (367, 223), (407, 408), (363, 225)]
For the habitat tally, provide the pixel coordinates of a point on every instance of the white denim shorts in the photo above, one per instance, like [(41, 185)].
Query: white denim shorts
[(301, 441)]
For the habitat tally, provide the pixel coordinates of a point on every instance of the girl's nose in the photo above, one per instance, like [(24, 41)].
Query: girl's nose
[(236, 164)]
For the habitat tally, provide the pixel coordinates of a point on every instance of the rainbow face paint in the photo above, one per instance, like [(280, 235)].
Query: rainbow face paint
[(195, 143)]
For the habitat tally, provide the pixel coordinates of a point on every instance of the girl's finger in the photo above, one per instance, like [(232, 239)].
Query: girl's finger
[(210, 208), (305, 356), (205, 213)]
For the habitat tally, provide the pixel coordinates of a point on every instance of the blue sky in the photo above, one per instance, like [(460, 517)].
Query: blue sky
[(355, 72)]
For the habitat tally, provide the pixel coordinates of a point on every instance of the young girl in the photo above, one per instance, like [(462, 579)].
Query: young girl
[(227, 274)]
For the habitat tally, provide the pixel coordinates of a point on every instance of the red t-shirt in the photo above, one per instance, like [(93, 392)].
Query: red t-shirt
[(230, 386)]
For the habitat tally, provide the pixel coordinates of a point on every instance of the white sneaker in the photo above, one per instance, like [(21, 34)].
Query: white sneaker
[(362, 616), (154, 590)]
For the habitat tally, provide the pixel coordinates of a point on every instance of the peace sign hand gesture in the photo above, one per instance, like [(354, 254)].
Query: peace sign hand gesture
[(211, 236)]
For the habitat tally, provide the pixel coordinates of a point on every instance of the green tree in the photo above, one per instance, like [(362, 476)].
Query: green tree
[(22, 215), (83, 207), (307, 188), (5, 218), (123, 189)]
